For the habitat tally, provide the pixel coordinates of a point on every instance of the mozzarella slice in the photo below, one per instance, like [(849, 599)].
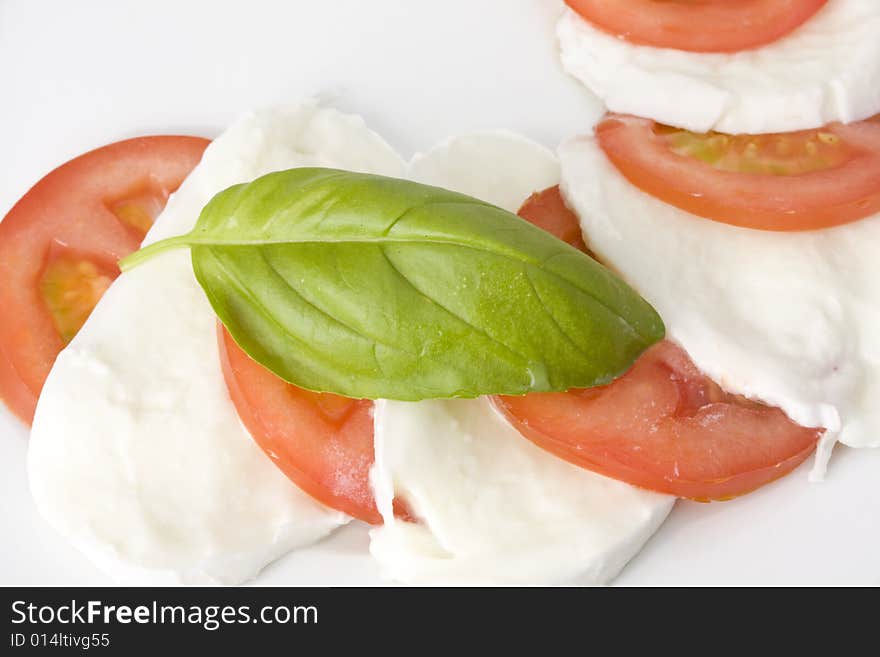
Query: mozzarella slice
[(787, 318), (827, 70), (493, 507), (497, 167), (137, 455)]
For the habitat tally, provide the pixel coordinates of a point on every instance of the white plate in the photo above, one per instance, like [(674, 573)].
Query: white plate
[(93, 72)]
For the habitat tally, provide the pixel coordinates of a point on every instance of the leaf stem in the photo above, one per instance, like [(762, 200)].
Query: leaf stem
[(142, 255)]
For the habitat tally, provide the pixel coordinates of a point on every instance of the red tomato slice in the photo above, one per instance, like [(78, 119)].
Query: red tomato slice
[(60, 243), (547, 210), (784, 182), (698, 25), (321, 441), (664, 426)]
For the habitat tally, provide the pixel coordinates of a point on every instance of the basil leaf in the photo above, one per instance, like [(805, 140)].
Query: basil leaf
[(375, 287)]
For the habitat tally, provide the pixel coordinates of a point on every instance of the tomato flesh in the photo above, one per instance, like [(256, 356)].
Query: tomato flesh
[(805, 180), (664, 426), (321, 441), (546, 209), (60, 243), (70, 287), (698, 25)]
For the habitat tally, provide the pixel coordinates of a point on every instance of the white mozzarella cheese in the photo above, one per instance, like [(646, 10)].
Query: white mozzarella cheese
[(493, 507), (787, 318), (826, 70), (498, 167), (137, 455)]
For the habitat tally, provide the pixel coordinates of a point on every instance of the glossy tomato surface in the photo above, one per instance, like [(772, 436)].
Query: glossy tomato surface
[(698, 25), (321, 441), (805, 180)]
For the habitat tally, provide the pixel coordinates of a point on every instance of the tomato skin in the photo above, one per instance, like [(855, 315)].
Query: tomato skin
[(720, 26), (547, 210), (663, 425), (71, 210), (17, 396), (666, 427), (322, 442), (814, 200)]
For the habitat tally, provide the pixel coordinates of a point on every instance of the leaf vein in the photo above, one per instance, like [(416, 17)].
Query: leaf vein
[(246, 293), (552, 317), (461, 319), (355, 331)]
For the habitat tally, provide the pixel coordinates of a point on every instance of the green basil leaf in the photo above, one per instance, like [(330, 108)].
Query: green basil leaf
[(375, 287)]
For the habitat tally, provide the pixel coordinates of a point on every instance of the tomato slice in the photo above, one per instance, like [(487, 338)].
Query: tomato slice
[(663, 426), (60, 243), (698, 25), (547, 210), (804, 180), (321, 441)]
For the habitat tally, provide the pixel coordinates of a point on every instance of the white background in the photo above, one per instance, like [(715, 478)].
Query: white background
[(76, 75)]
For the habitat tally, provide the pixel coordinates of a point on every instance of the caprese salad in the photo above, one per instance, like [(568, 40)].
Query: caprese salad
[(736, 66), (164, 450), (315, 331), (759, 116)]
